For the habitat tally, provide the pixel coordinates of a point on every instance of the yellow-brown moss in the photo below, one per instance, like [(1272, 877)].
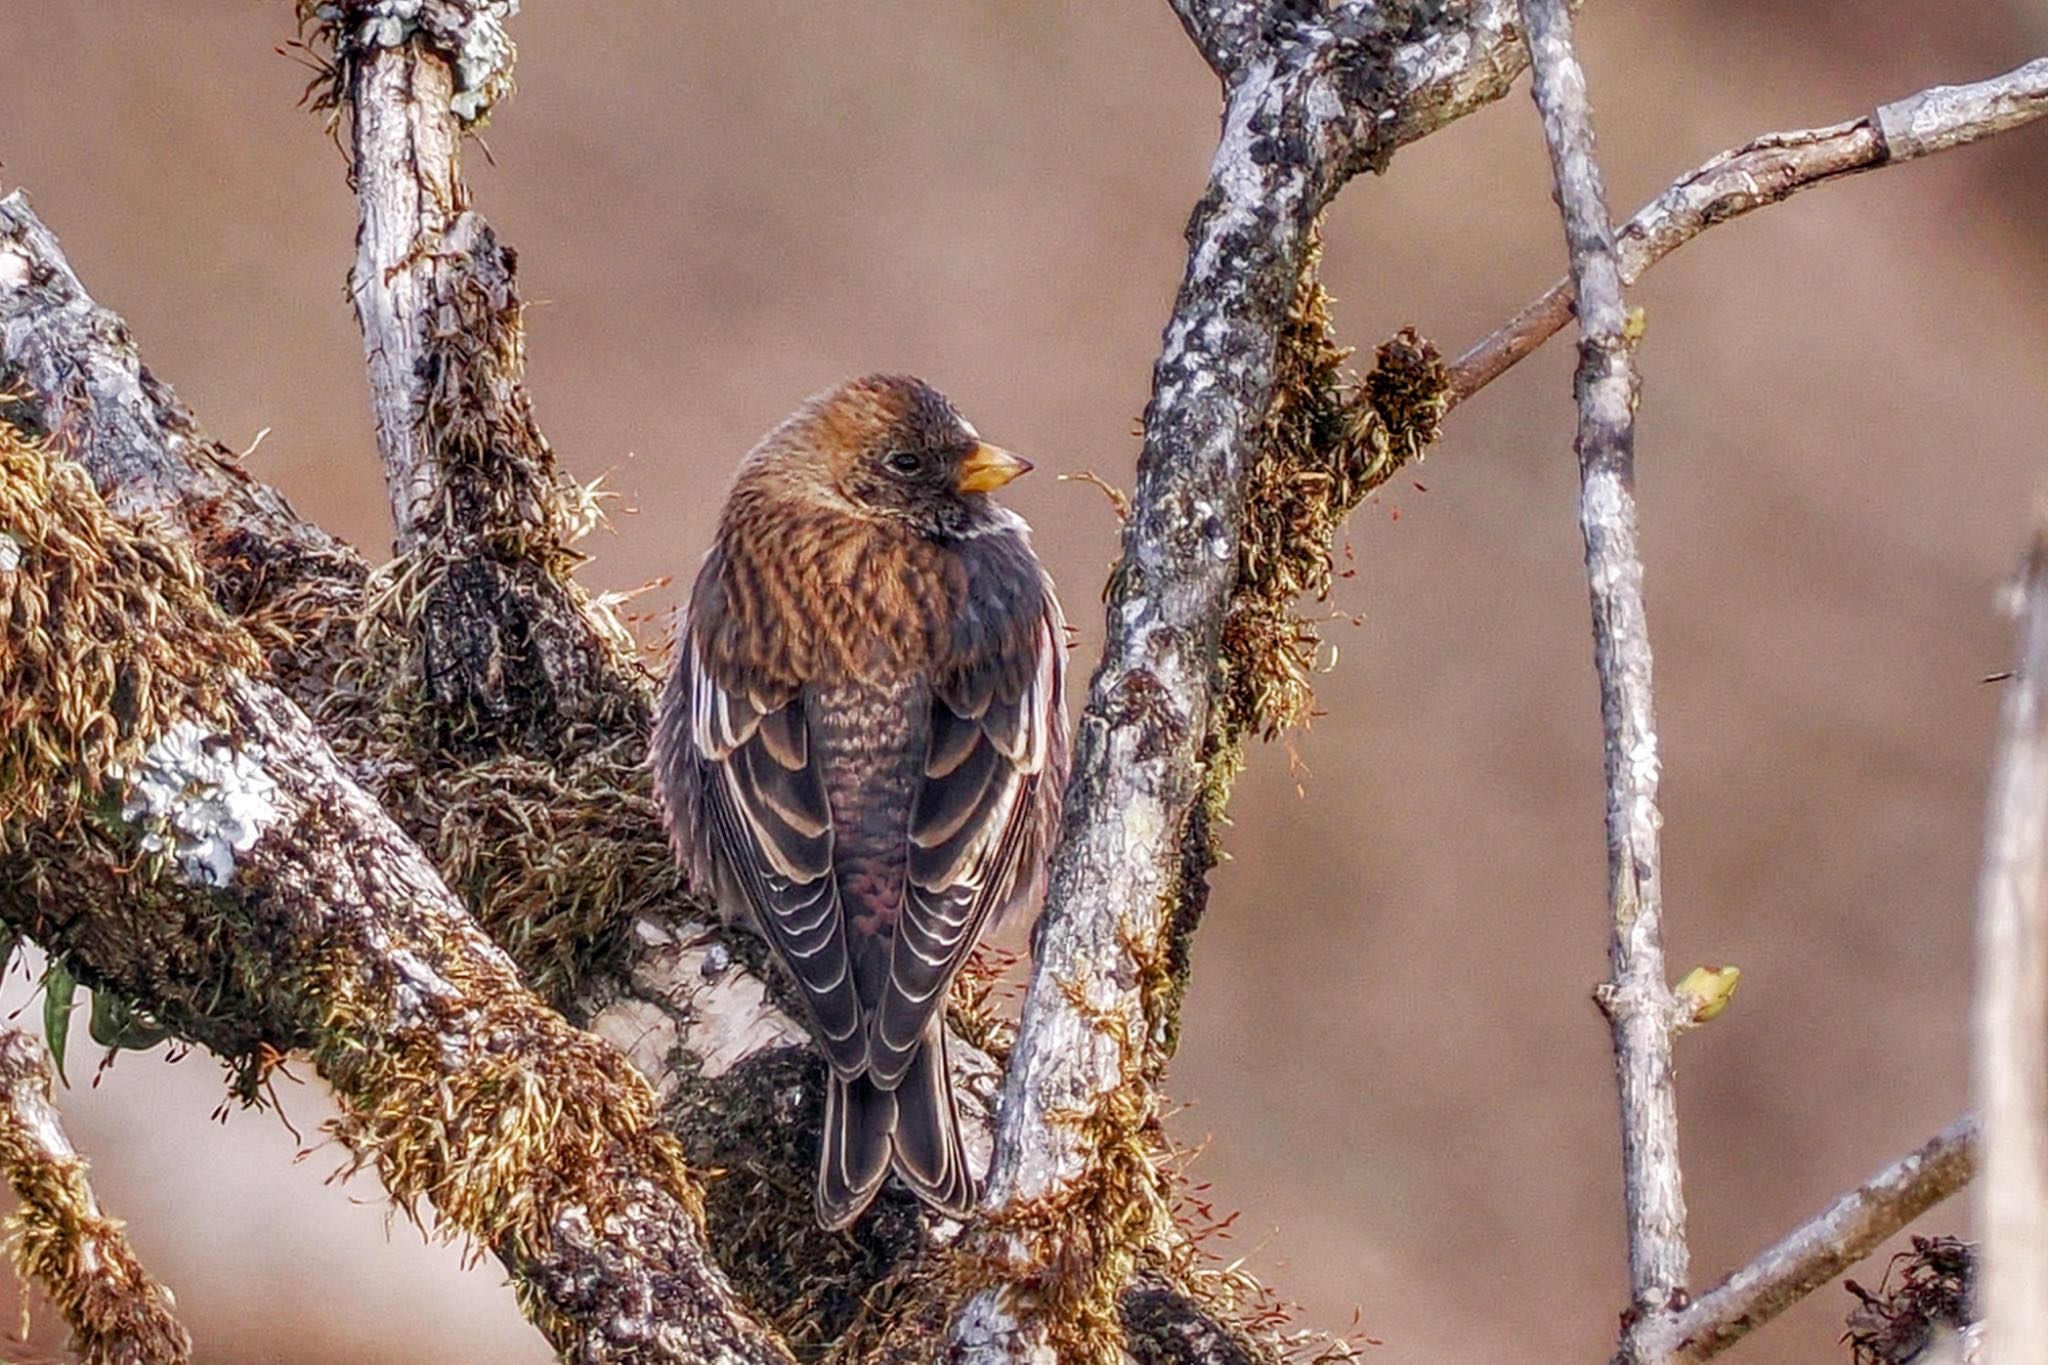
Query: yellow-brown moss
[(59, 1239), (1328, 442), (529, 1119), (475, 1098), (97, 640)]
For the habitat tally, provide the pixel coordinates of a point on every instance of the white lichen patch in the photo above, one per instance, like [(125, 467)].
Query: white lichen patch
[(14, 269), (202, 798), (471, 32)]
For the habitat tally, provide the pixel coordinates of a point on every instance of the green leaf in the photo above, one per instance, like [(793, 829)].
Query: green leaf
[(116, 1023), (58, 989)]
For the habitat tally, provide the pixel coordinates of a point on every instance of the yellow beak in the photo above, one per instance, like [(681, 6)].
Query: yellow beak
[(988, 467)]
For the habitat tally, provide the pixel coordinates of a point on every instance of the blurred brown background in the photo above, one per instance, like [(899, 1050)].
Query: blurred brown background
[(1391, 1056)]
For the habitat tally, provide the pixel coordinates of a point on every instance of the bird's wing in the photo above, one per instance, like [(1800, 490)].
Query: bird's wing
[(980, 820), (767, 829)]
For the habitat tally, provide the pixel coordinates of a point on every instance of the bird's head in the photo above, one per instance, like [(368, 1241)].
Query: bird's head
[(892, 446)]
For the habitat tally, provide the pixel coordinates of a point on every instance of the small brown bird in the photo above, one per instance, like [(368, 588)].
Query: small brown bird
[(862, 745)]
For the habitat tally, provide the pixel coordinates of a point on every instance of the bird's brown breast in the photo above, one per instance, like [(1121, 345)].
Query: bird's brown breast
[(813, 595)]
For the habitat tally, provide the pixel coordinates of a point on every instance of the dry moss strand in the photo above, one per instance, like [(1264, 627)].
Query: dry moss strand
[(96, 646), (59, 1239), (280, 908)]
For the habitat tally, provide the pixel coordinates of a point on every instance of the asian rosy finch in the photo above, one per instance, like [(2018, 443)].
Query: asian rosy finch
[(861, 748)]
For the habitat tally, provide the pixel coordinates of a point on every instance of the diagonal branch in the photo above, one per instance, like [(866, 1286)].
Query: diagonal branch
[(1071, 1193), (117, 1312), (685, 1003), (1819, 1249), (1767, 171), (1645, 1015), (180, 835), (70, 370), (2012, 991)]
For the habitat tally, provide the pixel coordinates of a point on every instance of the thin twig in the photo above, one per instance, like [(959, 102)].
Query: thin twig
[(1766, 171), (2012, 994), (1819, 1249), (1638, 1000), (118, 1313)]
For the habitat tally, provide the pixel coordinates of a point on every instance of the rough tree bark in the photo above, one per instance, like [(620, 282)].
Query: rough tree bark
[(178, 833), (1645, 1015), (1310, 100)]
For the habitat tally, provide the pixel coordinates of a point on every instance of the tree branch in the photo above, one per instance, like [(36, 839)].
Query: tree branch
[(685, 1001), (1302, 116), (2012, 991), (1767, 171), (182, 837), (410, 80), (1817, 1250), (1645, 1015), (118, 1313), (1227, 32)]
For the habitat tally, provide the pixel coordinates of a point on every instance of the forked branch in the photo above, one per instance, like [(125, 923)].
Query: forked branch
[(1767, 171), (1817, 1250)]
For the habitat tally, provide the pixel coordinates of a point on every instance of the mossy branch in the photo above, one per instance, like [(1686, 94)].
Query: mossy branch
[(1318, 96), (177, 832), (61, 1240)]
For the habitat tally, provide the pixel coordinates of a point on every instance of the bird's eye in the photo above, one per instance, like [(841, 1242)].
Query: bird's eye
[(904, 461)]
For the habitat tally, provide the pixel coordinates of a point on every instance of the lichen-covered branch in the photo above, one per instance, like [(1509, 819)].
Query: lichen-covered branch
[(1645, 1015), (1817, 1250), (69, 369), (409, 75), (1073, 1189), (1228, 32), (1768, 170), (179, 834), (60, 1239), (2012, 991)]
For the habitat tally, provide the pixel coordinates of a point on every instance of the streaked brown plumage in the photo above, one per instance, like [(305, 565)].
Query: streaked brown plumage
[(861, 748)]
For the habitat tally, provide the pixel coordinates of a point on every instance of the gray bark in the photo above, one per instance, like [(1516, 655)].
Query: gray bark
[(1764, 171), (1819, 1249), (2012, 993), (1307, 105), (1646, 1017)]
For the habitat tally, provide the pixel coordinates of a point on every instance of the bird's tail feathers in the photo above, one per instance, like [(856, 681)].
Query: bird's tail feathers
[(913, 1128), (853, 1158), (929, 1156)]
